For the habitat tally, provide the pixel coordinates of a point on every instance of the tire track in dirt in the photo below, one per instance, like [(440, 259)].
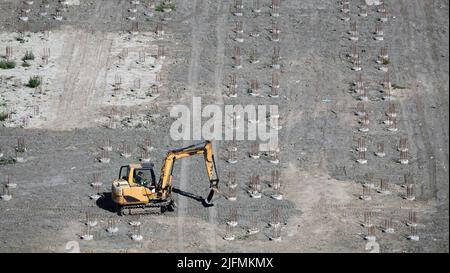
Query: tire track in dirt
[(310, 107), (423, 135), (85, 75), (76, 56), (440, 82), (88, 55), (304, 111), (192, 86), (221, 31)]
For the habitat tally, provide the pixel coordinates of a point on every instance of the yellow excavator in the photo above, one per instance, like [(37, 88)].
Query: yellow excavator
[(137, 192)]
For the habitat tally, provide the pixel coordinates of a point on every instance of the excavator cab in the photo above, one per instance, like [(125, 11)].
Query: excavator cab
[(141, 174)]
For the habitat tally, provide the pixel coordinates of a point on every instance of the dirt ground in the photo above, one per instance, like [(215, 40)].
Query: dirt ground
[(322, 181)]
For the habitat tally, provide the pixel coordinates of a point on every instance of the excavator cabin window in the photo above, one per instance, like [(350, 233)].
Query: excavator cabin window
[(144, 177)]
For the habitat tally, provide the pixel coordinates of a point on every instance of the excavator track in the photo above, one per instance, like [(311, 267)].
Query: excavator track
[(150, 208)]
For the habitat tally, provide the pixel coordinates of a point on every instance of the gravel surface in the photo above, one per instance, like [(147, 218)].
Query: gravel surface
[(321, 210)]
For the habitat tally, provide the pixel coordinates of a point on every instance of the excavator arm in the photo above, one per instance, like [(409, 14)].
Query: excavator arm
[(204, 148)]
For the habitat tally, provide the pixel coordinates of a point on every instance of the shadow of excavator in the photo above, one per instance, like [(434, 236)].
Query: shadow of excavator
[(195, 197), (105, 202)]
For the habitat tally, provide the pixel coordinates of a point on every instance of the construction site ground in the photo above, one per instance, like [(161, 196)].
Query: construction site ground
[(321, 210)]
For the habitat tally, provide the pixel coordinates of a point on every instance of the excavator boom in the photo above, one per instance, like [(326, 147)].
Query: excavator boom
[(203, 148)]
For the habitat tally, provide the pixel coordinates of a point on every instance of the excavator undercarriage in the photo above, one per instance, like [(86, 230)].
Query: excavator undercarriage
[(149, 208)]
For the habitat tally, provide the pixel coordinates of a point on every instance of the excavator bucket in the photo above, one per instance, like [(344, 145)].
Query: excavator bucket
[(214, 188), (209, 197)]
